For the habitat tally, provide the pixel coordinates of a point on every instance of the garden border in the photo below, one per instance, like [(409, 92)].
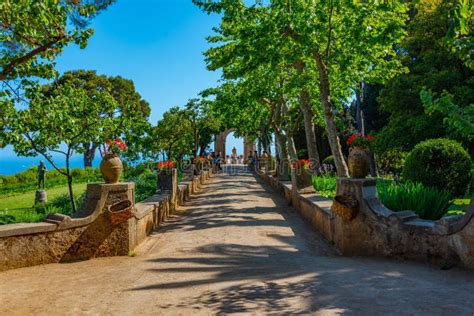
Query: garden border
[(89, 233), (378, 231)]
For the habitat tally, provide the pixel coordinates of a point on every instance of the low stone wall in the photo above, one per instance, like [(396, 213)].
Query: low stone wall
[(89, 233), (378, 231)]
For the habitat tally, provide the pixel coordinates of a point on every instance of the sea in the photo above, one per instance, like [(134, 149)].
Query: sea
[(13, 164)]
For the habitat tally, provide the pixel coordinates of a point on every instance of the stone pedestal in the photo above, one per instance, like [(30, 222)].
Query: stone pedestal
[(101, 238), (188, 172), (41, 197)]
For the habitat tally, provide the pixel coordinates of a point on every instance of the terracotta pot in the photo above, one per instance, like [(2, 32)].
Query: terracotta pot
[(111, 168), (120, 212), (358, 163), (345, 207)]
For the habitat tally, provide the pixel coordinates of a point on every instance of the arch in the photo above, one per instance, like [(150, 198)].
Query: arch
[(220, 142)]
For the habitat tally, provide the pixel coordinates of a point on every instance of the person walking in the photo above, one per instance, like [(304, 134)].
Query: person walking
[(217, 161)]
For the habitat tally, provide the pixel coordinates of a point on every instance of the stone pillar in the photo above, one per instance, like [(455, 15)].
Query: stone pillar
[(352, 237), (219, 144), (188, 172), (101, 238), (41, 197), (249, 147)]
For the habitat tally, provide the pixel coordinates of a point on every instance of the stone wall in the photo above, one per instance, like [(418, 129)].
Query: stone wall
[(377, 231), (89, 233)]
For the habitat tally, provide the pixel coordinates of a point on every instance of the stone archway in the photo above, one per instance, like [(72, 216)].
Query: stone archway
[(220, 142)]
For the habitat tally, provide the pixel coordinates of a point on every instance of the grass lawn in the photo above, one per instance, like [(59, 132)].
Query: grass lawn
[(21, 206)]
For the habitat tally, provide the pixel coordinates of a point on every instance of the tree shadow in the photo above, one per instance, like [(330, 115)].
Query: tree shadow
[(287, 279), (291, 273)]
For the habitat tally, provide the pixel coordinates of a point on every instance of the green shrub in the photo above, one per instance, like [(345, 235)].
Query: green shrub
[(439, 163), (325, 185), (6, 218), (145, 186), (427, 202), (391, 161)]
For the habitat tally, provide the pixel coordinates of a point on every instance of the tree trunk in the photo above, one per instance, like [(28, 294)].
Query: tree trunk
[(358, 110), (71, 193), (325, 96), (196, 143), (202, 149), (284, 160), (282, 146), (291, 148), (89, 154), (308, 115), (69, 182)]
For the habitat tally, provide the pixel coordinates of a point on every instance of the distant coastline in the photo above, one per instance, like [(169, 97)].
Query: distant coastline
[(10, 164)]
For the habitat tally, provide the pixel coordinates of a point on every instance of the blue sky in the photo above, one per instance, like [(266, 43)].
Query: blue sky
[(156, 43)]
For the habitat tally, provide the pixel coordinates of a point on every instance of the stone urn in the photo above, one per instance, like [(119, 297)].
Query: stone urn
[(304, 180), (165, 179), (111, 168), (358, 163), (198, 167)]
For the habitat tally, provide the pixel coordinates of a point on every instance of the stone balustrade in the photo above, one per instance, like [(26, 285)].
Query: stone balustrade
[(89, 233), (378, 231)]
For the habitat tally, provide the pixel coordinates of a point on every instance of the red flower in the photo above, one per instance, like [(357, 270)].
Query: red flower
[(359, 140), (301, 163), (115, 146), (165, 165)]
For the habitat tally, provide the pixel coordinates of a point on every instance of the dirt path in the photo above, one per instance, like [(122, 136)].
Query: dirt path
[(236, 248)]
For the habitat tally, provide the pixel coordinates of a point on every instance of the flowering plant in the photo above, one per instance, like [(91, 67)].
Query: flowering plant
[(357, 140), (305, 164), (165, 165), (199, 160), (114, 147)]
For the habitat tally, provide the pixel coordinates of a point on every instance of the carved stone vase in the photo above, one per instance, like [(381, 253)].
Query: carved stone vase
[(111, 168), (358, 163), (165, 180), (304, 180)]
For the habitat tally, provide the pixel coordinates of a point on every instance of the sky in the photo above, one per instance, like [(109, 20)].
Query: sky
[(156, 43)]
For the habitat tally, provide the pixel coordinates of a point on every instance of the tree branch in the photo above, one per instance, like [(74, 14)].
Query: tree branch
[(11, 66), (331, 10), (44, 155)]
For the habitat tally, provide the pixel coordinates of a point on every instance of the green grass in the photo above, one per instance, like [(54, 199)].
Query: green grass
[(459, 206), (19, 208), (325, 185)]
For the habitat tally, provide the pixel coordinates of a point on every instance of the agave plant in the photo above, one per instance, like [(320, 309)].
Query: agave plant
[(427, 202)]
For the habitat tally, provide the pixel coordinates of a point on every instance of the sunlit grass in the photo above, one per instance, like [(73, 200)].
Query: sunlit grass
[(20, 208)]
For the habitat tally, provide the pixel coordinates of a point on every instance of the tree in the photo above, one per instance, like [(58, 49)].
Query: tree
[(34, 32), (348, 43), (57, 124), (130, 115), (340, 44), (173, 135), (203, 124), (435, 98)]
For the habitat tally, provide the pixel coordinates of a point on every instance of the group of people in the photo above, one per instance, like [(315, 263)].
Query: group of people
[(253, 159)]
